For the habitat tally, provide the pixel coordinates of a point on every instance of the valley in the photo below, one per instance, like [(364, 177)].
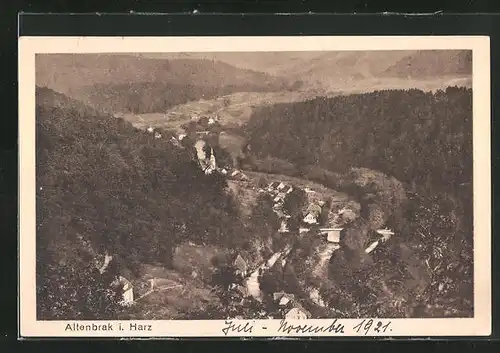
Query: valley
[(209, 190)]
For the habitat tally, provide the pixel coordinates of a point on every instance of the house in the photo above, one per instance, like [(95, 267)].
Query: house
[(150, 129), (303, 230), (241, 265), (213, 162), (277, 199), (333, 235), (283, 298), (316, 297), (288, 189), (310, 219), (236, 174), (281, 195), (127, 288), (382, 235), (181, 137), (284, 301), (314, 208), (200, 152), (211, 121), (371, 247), (385, 233), (280, 186), (157, 135), (309, 191), (297, 313), (280, 212), (284, 227), (273, 186)]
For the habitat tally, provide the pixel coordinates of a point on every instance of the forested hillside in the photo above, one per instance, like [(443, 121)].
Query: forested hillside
[(418, 137), (104, 186), (152, 97), (423, 139)]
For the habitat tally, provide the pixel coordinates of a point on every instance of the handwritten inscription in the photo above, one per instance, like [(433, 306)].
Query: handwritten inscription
[(374, 327), (334, 327), (238, 328)]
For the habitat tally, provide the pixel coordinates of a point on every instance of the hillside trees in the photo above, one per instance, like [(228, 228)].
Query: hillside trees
[(409, 134), (103, 186), (293, 204), (373, 146), (153, 97), (263, 218)]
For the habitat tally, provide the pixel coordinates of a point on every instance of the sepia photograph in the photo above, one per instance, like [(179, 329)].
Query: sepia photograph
[(237, 186)]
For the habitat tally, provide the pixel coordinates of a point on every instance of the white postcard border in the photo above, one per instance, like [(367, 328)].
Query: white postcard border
[(480, 325)]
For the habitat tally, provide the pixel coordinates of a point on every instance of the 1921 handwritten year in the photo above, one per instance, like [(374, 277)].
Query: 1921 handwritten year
[(370, 326)]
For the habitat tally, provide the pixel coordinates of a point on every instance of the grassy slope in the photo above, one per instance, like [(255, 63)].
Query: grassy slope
[(184, 292)]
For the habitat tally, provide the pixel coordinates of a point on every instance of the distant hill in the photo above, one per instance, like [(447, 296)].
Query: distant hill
[(351, 71), (345, 65), (432, 63), (296, 65), (274, 63), (67, 72), (126, 83)]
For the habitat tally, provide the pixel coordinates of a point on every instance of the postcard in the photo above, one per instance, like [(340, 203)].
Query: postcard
[(328, 186)]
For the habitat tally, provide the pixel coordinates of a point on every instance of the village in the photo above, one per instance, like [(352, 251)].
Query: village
[(318, 217), (331, 230)]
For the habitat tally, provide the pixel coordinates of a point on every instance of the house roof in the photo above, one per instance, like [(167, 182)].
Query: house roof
[(279, 295), (284, 300), (125, 283), (314, 208), (371, 247), (333, 236), (240, 263), (310, 218), (385, 231), (296, 311)]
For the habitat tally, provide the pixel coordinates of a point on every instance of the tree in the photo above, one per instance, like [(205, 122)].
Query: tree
[(75, 291), (263, 218), (293, 204), (152, 197)]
